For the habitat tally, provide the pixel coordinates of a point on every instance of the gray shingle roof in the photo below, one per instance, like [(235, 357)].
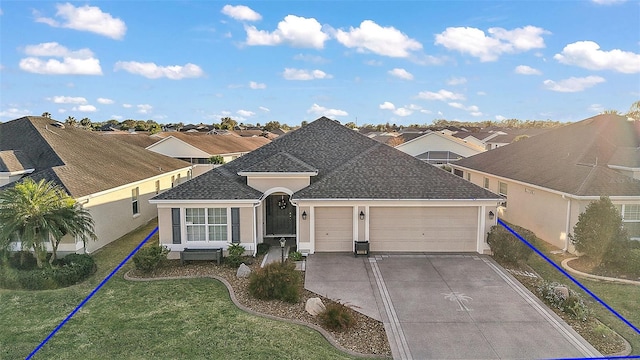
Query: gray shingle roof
[(14, 160), (281, 162), (81, 161), (573, 159), (350, 166)]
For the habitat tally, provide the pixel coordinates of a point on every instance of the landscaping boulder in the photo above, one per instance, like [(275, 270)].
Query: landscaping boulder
[(562, 291), (314, 306), (243, 271)]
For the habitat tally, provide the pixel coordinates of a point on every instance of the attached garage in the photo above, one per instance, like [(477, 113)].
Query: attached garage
[(428, 229), (333, 229)]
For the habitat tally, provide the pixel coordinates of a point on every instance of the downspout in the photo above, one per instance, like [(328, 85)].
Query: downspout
[(295, 203), (567, 229)]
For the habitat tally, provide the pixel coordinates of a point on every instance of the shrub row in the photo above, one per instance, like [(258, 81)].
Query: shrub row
[(278, 281), (150, 257), (507, 248), (65, 272)]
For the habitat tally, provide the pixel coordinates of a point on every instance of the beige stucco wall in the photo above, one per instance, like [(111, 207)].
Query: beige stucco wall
[(177, 148), (264, 184), (436, 142)]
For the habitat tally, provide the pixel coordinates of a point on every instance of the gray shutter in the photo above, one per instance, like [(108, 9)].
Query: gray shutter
[(235, 225), (175, 225)]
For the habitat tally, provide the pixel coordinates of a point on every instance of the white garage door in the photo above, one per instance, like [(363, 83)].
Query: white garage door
[(334, 229), (423, 229)]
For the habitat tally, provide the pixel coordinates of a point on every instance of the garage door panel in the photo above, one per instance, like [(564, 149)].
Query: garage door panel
[(334, 229)]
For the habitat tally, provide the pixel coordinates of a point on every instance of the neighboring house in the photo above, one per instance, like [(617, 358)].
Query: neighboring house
[(436, 148), (478, 138), (549, 179), (326, 186), (511, 136), (111, 179)]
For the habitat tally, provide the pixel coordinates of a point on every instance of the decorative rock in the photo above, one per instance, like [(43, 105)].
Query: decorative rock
[(562, 291), (243, 271), (314, 306)]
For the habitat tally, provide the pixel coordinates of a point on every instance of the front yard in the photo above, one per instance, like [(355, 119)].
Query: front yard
[(184, 319)]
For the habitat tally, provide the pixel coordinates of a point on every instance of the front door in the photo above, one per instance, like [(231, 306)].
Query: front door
[(281, 215)]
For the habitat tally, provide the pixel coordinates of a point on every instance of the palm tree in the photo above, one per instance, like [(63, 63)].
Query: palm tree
[(70, 121), (46, 115), (634, 111), (35, 213)]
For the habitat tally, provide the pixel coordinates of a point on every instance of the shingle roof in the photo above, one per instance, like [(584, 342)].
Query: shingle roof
[(218, 144), (627, 157), (14, 160), (81, 161), (281, 162), (350, 166), (572, 159)]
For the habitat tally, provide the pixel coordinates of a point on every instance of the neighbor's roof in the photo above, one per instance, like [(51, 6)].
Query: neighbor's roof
[(349, 165), (80, 161), (213, 144), (573, 159)]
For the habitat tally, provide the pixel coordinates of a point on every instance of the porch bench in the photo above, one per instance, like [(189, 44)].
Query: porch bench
[(201, 254)]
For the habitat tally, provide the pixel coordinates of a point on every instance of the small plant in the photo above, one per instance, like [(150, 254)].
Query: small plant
[(235, 253), (506, 248), (295, 256), (337, 317), (263, 248), (572, 305), (216, 159), (276, 281), (149, 258)]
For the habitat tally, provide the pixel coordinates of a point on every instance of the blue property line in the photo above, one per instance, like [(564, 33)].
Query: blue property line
[(91, 294), (570, 277)]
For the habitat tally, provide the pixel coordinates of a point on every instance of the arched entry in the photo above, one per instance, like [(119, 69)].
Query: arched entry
[(280, 215)]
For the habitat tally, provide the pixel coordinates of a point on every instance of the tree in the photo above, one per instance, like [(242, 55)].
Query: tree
[(598, 229), (46, 115), (227, 123), (304, 123), (271, 125), (36, 213), (86, 122), (351, 125), (611, 112), (216, 159), (634, 111), (71, 121)]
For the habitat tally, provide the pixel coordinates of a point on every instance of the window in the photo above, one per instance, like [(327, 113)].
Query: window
[(486, 183), (457, 172), (631, 220), (157, 187), (502, 188), (206, 224), (134, 200)]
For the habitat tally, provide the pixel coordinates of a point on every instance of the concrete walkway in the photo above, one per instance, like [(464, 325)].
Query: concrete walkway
[(446, 306)]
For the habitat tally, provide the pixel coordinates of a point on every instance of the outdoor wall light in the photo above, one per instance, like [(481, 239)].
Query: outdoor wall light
[(283, 242), (491, 215), (304, 215), (361, 215)]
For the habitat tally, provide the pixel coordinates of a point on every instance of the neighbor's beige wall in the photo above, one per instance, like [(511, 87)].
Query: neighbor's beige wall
[(434, 142), (265, 183)]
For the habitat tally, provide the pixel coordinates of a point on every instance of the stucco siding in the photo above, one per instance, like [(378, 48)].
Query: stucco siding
[(266, 183), (436, 142)]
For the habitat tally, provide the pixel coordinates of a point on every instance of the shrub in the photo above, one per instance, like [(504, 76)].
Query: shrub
[(263, 248), (68, 271), (337, 317), (23, 260), (150, 257), (295, 256), (235, 254), (573, 305), (506, 248), (624, 258), (278, 281)]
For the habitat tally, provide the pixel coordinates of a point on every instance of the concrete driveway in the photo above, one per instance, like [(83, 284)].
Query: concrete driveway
[(446, 306)]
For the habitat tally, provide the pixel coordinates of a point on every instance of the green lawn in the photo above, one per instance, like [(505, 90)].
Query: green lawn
[(180, 319)]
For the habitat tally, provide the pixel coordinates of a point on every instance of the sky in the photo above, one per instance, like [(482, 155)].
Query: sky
[(402, 62)]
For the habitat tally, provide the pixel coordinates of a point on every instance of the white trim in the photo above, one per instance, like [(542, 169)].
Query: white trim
[(481, 226), (203, 201), (620, 167), (274, 190), (312, 229), (14, 173), (411, 200), (300, 174)]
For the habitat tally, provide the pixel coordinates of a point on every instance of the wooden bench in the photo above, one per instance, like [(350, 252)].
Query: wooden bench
[(201, 254)]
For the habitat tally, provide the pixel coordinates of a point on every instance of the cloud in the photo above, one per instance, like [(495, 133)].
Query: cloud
[(456, 81), (105, 101), (401, 73), (302, 74), (116, 117), (608, 2), (596, 108), (127, 106), (14, 113), (86, 18), (323, 111), (56, 50), (245, 113), (587, 54), (311, 58), (293, 30), (153, 71), (79, 62), (144, 108), (472, 109), (526, 70), (68, 100), (387, 106), (241, 13), (84, 108), (265, 109), (402, 112), (254, 85), (373, 62), (489, 47), (573, 84), (441, 95), (500, 117), (371, 37)]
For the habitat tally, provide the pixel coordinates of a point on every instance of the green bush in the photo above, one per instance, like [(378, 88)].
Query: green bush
[(337, 317), (263, 248), (278, 281), (150, 257), (67, 271), (235, 255), (506, 248), (573, 305), (295, 256), (23, 260), (624, 258)]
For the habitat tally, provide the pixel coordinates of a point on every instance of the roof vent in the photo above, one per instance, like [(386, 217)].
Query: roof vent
[(58, 125)]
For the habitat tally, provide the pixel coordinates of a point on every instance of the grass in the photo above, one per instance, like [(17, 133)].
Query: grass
[(622, 298), (178, 319)]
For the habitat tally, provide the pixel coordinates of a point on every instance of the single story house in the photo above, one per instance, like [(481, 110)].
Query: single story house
[(549, 179), (111, 179), (325, 186), (437, 148)]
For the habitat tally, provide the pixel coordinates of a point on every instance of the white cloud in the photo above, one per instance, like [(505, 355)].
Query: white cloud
[(481, 93), (84, 108), (608, 2), (14, 113), (86, 18), (526, 70), (441, 95), (265, 109), (401, 73), (254, 85), (62, 111), (472, 109), (573, 84), (79, 62), (587, 54), (371, 37), (144, 108), (293, 30), (323, 111), (489, 47), (68, 100), (596, 108), (456, 81), (302, 74), (116, 117), (153, 71), (105, 101), (402, 112), (373, 62), (56, 50), (387, 106), (311, 58), (241, 12), (413, 107), (245, 113), (127, 106), (500, 117)]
